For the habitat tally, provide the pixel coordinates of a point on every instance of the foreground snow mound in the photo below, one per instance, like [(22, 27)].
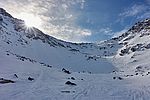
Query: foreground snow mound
[(49, 83)]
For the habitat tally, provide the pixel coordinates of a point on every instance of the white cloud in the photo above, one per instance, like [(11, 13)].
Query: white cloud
[(82, 4), (145, 15), (58, 16), (86, 32), (134, 10), (106, 31)]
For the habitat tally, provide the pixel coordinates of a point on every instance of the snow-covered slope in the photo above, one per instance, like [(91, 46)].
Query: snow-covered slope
[(135, 52), (35, 66), (49, 83), (16, 38)]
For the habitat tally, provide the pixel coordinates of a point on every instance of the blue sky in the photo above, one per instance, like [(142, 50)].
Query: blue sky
[(81, 20), (107, 17)]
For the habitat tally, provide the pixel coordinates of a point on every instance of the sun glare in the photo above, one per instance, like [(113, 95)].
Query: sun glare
[(31, 20)]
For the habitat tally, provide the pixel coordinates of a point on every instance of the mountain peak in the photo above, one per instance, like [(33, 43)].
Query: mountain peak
[(141, 25), (4, 12)]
